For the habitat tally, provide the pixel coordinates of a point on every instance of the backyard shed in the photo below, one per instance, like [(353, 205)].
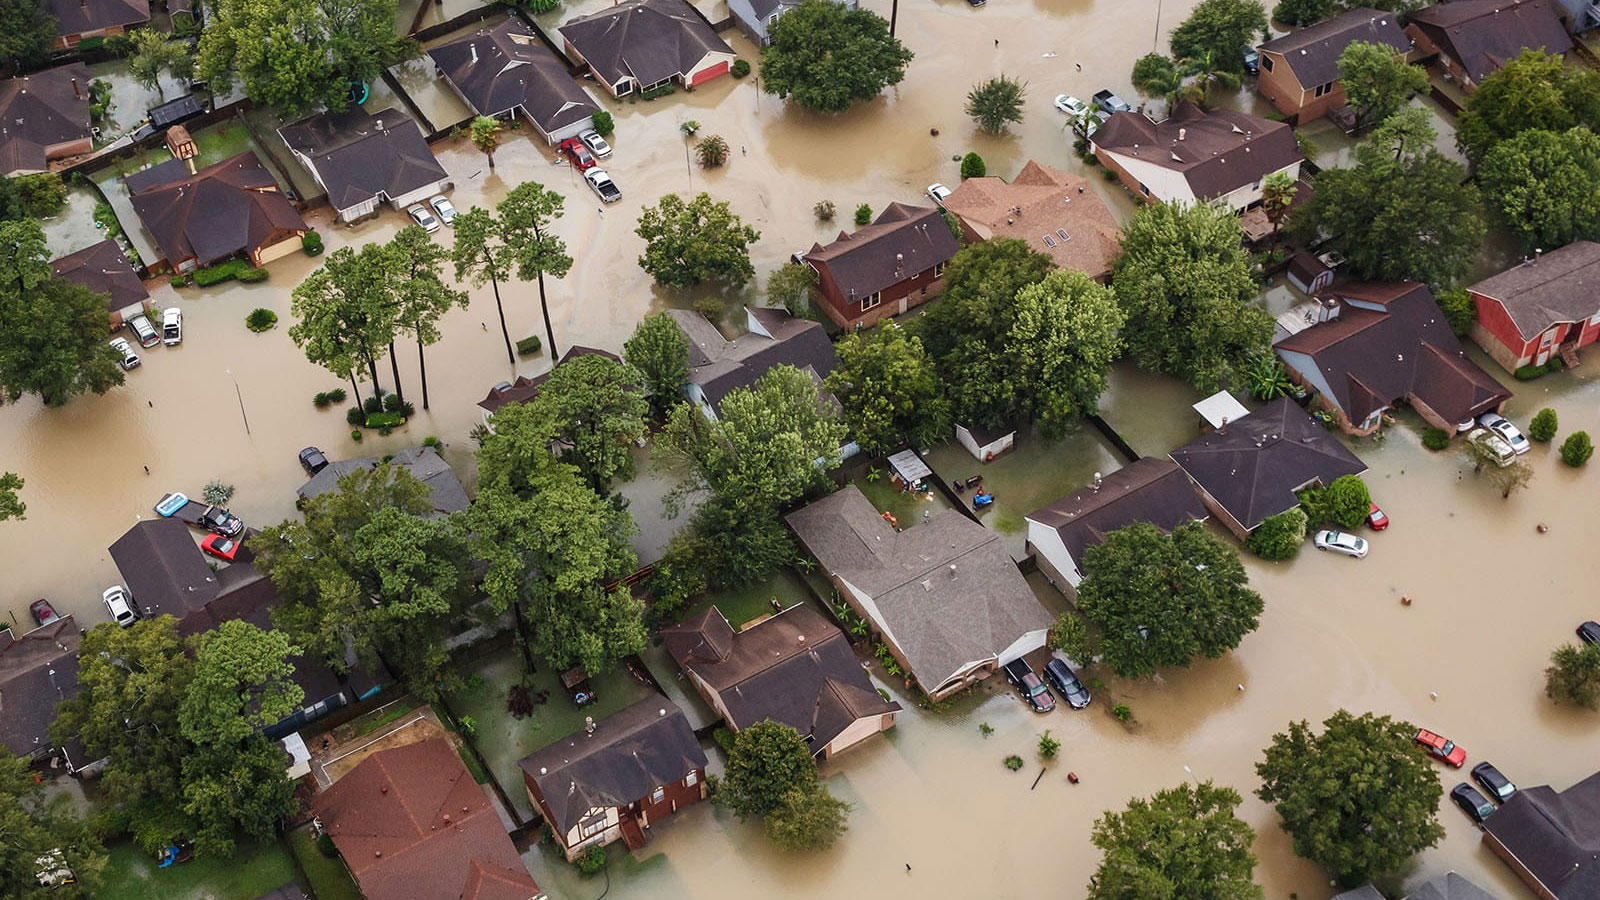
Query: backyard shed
[(909, 468), (985, 443)]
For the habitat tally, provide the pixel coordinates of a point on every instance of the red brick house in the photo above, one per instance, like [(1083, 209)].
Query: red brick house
[(639, 45), (1474, 38), (1300, 71), (1546, 305), (885, 268)]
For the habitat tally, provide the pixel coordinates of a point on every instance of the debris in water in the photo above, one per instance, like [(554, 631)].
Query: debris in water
[(1542, 528), (1405, 599), (1050, 55), (1433, 695)]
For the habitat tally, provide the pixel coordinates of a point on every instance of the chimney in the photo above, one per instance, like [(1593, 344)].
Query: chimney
[(474, 46), (1183, 133), (77, 89), (588, 724), (1223, 427), (952, 570)]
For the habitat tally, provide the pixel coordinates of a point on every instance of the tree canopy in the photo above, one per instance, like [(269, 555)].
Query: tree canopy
[(828, 56), (1574, 675), (996, 103), (35, 828), (1377, 80), (421, 297), (11, 506), (980, 286), (1185, 843), (660, 351), (591, 409), (1535, 91), (1545, 186), (346, 312), (27, 31), (890, 390), (770, 773), (54, 342), (1221, 28), (701, 240), (1155, 75)]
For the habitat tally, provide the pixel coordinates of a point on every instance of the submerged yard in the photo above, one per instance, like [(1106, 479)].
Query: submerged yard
[(251, 872)]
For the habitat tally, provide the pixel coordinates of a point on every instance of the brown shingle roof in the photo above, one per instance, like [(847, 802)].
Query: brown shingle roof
[(37, 671), (1555, 835), (1312, 53), (900, 243), (720, 366), (103, 269), (40, 110), (74, 17), (1482, 35), (1220, 151), (501, 68), (524, 389), (164, 568), (1148, 490), (647, 40), (359, 155), (1042, 201), (1560, 286), (222, 210)]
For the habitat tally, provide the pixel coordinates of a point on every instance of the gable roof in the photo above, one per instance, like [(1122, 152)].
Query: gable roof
[(359, 155), (424, 463), (1560, 286), (1253, 469), (1449, 886), (648, 40), (410, 822), (103, 269), (946, 591), (501, 68), (524, 389), (40, 110), (630, 754), (74, 17), (720, 366), (1216, 151), (1147, 490), (163, 567), (1312, 53), (37, 671), (1038, 202), (232, 207), (1554, 835), (795, 668), (1482, 35), (902, 242)]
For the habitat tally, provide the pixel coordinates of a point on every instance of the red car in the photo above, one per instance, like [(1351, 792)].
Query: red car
[(574, 149), (43, 612), (220, 547), (1441, 748), (1377, 519)]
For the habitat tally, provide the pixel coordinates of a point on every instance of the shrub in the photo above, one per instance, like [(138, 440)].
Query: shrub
[(260, 320), (216, 493), (1574, 675), (661, 91), (311, 243), (43, 194), (1528, 373), (1122, 712), (1459, 310), (322, 400), (252, 275), (603, 125), (355, 416), (592, 861), (724, 738), (1279, 536), (355, 435), (325, 846), (1013, 762), (336, 395), (710, 307), (1048, 746), (393, 403), (712, 151), (1436, 439), (431, 441), (1544, 425), (1576, 449), (824, 210), (529, 345), (972, 166), (739, 69), (181, 281), (863, 214), (385, 420), (372, 405)]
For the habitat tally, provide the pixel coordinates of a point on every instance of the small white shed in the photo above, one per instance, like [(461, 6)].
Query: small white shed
[(985, 443)]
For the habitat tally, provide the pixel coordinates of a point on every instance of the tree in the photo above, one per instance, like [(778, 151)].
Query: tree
[(1070, 634), (1344, 504), (1576, 449), (660, 351), (995, 103), (807, 819), (480, 254), (1155, 75), (828, 57), (346, 312), (420, 295), (154, 54), (1211, 70), (1459, 309), (864, 214), (768, 761), (790, 286), (1162, 600), (711, 151), (297, 54), (1545, 186), (27, 32), (972, 166), (1058, 351), (1534, 92), (54, 343), (1277, 195), (1377, 81), (1221, 28), (1301, 13), (1505, 478), (11, 506), (1186, 841), (526, 214), (1184, 282), (1279, 536), (1544, 425), (1402, 212), (593, 408), (1574, 675), (603, 124), (236, 790), (980, 286), (1359, 799), (485, 134), (35, 829), (702, 240), (890, 390), (1266, 377)]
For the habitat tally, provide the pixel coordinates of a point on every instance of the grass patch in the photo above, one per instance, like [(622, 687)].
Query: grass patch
[(744, 604), (471, 762), (223, 142), (327, 875), (252, 871), (378, 720)]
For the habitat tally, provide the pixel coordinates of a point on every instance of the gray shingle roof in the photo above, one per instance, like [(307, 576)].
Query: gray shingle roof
[(359, 155), (1148, 490), (37, 671), (1555, 835), (41, 110), (1220, 149), (1449, 886), (721, 366), (902, 242), (648, 40), (501, 68), (1482, 35), (103, 269), (424, 463), (164, 569), (1313, 52), (1560, 286)]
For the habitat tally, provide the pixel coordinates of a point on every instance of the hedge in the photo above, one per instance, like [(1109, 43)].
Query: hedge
[(529, 345), (385, 420), (233, 268)]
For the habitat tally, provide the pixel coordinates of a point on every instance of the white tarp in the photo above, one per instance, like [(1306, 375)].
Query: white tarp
[(1220, 407)]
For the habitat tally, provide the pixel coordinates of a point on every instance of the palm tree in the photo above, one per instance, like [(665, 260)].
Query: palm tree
[(486, 137), (1207, 72), (1277, 195)]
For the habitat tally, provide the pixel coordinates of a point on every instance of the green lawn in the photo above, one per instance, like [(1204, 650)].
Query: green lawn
[(744, 604), (328, 877), (252, 871)]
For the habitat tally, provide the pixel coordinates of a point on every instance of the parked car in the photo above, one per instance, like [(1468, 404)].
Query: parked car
[(1072, 106), (220, 546), (576, 151), (420, 215), (130, 359), (443, 208), (312, 460), (220, 521), (1466, 425), (1066, 681), (938, 192), (1498, 786), (1252, 60), (1377, 518), (144, 331), (1475, 805), (1441, 748), (1507, 431), (43, 612), (119, 603), (169, 504), (1589, 632), (596, 144), (602, 184), (1020, 674), (171, 326), (1492, 446), (976, 2), (1110, 103), (1341, 542)]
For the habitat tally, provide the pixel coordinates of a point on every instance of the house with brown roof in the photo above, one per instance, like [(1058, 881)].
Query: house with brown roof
[(1147, 490), (38, 670), (618, 777), (1363, 348), (164, 569), (44, 117), (795, 668), (1300, 71), (640, 45), (1251, 467), (885, 268), (410, 822), (233, 208), (103, 268), (1551, 839), (1054, 212), (363, 159), (79, 20), (1547, 305), (1472, 39), (718, 366), (1197, 155), (507, 71), (524, 389)]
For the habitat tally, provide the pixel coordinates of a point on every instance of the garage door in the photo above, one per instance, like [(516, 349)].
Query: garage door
[(720, 68)]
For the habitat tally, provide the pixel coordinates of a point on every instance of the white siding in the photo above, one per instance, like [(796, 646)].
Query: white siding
[(1164, 183), (1047, 543), (1028, 643)]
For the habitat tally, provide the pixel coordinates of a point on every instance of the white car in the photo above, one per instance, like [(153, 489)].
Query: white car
[(602, 184), (596, 144), (938, 192), (1340, 542), (1507, 431), (1493, 446), (441, 205), (420, 215), (120, 605), (171, 326), (1072, 106), (130, 359)]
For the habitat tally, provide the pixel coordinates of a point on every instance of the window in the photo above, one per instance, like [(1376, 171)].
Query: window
[(1266, 63), (870, 302), (1323, 89), (1062, 234), (1144, 190), (588, 828), (938, 269), (657, 795), (1549, 338), (1049, 241), (691, 779)]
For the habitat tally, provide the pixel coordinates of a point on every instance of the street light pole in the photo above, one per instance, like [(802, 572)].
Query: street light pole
[(240, 394)]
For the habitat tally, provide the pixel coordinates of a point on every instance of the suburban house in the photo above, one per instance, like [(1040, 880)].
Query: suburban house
[(718, 366), (885, 268), (944, 595), (37, 671), (1251, 467), (524, 389), (103, 269), (507, 71), (410, 822), (1547, 305), (1362, 348), (164, 569), (1197, 155), (795, 668), (1551, 839), (1054, 212), (1474, 38), (617, 777), (754, 17), (641, 45), (46, 117), (1449, 886), (1300, 71), (1149, 490), (1579, 15), (233, 208), (362, 159), (79, 20), (424, 463)]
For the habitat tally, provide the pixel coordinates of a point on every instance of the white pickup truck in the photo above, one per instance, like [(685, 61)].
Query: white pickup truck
[(602, 184)]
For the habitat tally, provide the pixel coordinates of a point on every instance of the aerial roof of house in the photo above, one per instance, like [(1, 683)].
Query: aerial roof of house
[(524, 389), (1371, 358), (946, 588), (1312, 53), (424, 463), (1554, 835), (629, 754), (359, 155), (163, 567), (103, 268), (795, 668), (1055, 212), (84, 16), (1365, 892), (39, 111), (410, 822), (647, 40), (1560, 286), (1483, 35), (1253, 467), (720, 366), (501, 68), (1216, 151), (37, 671), (232, 207), (902, 242), (1449, 886), (1148, 490)]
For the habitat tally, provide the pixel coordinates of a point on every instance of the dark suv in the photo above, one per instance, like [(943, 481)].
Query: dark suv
[(1029, 686), (1063, 679)]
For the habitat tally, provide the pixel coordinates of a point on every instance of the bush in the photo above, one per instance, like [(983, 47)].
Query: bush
[(724, 738), (355, 435), (252, 275), (824, 210), (592, 861), (1049, 746), (260, 320), (1574, 675), (355, 415), (43, 194), (1459, 310), (529, 345), (372, 405), (1279, 536), (336, 395), (1544, 425), (1576, 449), (181, 281), (322, 400), (662, 91), (1013, 762), (385, 420), (603, 125), (1528, 373), (863, 214), (393, 403), (311, 243), (972, 166), (432, 440), (1436, 439), (1344, 503), (710, 307), (739, 69)]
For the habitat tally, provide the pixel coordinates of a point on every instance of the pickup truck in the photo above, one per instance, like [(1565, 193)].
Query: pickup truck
[(1110, 102), (602, 184), (1021, 675)]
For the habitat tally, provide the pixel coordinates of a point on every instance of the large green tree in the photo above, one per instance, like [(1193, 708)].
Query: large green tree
[(1377, 81), (770, 773), (346, 312), (828, 56), (1574, 675), (1301, 13), (1185, 843), (1359, 799), (660, 351), (1162, 600), (27, 31), (687, 243), (980, 288), (591, 410), (1185, 286), (996, 103), (54, 342), (33, 829), (11, 506), (1545, 186), (526, 215), (154, 54), (420, 295), (890, 390), (1535, 91), (1222, 28)]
